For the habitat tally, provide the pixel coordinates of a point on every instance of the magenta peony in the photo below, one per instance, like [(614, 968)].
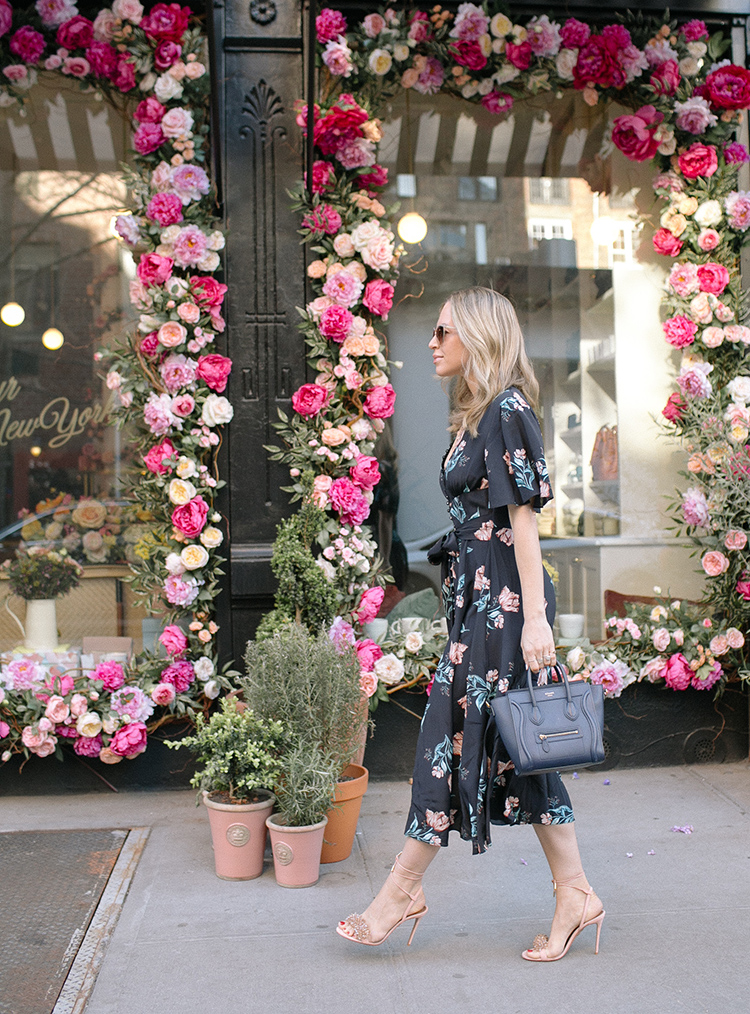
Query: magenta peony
[(335, 323), (666, 244), (190, 518), (323, 220), (378, 297), (309, 399), (679, 331), (379, 402), (111, 674), (154, 269), (368, 652), (574, 33), (329, 24), (27, 44), (498, 103), (369, 604), (728, 87), (666, 78), (214, 370), (130, 740), (470, 55), (155, 459), (677, 672), (166, 22), (88, 746), (179, 674), (674, 410), (348, 500), (365, 472), (698, 160), (102, 58), (173, 640), (713, 278), (635, 135), (164, 209), (76, 33)]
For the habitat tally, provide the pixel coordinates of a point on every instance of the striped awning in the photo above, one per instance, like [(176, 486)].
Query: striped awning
[(62, 128), (440, 135)]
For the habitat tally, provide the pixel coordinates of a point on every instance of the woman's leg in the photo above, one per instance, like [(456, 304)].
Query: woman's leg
[(392, 902), (561, 849)]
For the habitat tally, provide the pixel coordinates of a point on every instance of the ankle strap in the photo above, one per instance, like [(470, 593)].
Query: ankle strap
[(569, 883), (403, 871)]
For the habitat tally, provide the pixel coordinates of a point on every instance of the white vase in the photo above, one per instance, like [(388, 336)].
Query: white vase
[(41, 625)]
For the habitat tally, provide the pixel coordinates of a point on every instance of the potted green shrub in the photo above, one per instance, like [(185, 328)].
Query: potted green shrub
[(243, 757), (304, 796), (313, 686)]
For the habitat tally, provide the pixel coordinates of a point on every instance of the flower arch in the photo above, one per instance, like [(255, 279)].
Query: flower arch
[(686, 101), (166, 380)]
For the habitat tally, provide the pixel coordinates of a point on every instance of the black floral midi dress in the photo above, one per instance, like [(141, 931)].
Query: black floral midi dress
[(463, 777)]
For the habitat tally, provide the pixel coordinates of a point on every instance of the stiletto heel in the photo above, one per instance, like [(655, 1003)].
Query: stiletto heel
[(355, 927), (538, 949)]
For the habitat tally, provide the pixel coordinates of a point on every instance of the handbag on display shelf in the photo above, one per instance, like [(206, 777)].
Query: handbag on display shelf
[(551, 727), (604, 457)]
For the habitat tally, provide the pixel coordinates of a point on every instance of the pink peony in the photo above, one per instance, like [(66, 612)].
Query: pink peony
[(190, 182), (470, 23), (694, 115), (610, 675), (684, 279), (190, 518), (329, 24), (743, 589), (679, 331), (180, 591), (179, 674), (674, 410), (666, 78), (111, 674), (27, 44), (714, 563), (431, 78), (693, 381), (155, 459), (341, 633), (335, 323), (190, 246), (737, 207), (348, 500), (544, 36), (368, 652), (713, 278), (677, 672), (323, 220), (164, 209), (177, 371), (379, 402), (163, 694), (25, 674), (498, 103), (124, 76), (147, 138), (698, 160), (365, 472), (214, 370), (343, 288), (166, 22), (728, 87), (635, 135), (174, 640), (338, 58), (157, 414), (177, 123), (88, 746), (369, 604), (694, 511), (150, 110), (323, 176), (666, 244), (154, 269), (378, 297), (77, 33), (574, 33), (309, 399), (102, 58), (708, 681), (130, 740), (183, 405), (356, 154)]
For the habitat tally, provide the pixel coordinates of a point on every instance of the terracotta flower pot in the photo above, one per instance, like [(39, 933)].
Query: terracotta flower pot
[(344, 814), (238, 831), (296, 852)]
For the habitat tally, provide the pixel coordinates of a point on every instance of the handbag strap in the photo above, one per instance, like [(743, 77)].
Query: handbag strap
[(571, 711)]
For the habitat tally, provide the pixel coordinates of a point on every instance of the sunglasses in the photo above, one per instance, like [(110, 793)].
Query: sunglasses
[(440, 332)]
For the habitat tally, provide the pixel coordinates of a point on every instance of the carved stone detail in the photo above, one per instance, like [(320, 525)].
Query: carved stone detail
[(262, 12)]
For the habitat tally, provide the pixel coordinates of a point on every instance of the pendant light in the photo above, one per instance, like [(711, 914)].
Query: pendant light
[(12, 313), (53, 337), (412, 228)]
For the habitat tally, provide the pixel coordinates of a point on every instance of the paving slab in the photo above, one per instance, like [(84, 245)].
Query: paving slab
[(678, 909)]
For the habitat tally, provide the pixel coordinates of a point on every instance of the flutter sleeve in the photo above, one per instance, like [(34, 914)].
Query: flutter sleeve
[(514, 454)]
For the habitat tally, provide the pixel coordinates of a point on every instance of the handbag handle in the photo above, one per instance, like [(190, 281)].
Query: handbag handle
[(571, 711)]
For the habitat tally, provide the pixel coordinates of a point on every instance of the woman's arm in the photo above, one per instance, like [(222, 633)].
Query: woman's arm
[(537, 641)]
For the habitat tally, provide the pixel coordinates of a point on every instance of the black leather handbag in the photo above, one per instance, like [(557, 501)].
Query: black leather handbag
[(551, 727)]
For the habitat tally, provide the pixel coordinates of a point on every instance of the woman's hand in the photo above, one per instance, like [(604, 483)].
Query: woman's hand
[(538, 644)]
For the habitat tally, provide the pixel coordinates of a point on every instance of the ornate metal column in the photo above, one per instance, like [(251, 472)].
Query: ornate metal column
[(259, 74)]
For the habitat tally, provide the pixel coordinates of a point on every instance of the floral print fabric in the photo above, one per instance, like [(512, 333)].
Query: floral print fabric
[(463, 777)]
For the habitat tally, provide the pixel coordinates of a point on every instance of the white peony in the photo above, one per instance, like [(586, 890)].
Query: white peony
[(203, 668), (389, 669), (166, 88), (739, 390), (216, 410), (708, 213)]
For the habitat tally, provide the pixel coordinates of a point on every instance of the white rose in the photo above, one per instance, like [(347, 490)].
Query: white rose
[(365, 233), (739, 390), (111, 724), (211, 690), (470, 89), (328, 569), (167, 88), (413, 641), (216, 240), (186, 468), (209, 261), (708, 213), (689, 66), (500, 26), (194, 557), (128, 10), (89, 724), (486, 86), (506, 73), (381, 61), (565, 61), (211, 537), (216, 410), (181, 491), (697, 49), (203, 668), (170, 235), (174, 565), (575, 658), (389, 669)]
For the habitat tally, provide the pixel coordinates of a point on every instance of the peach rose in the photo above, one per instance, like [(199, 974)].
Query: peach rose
[(343, 245), (712, 337), (719, 645), (211, 537), (353, 346), (57, 710), (661, 638), (735, 539), (316, 269), (357, 270), (188, 312), (714, 563), (333, 437), (735, 637), (90, 514), (107, 756), (171, 334), (372, 344)]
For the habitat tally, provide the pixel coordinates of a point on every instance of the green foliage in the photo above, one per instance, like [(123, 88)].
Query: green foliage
[(306, 791), (43, 574), (304, 682), (241, 751), (304, 594)]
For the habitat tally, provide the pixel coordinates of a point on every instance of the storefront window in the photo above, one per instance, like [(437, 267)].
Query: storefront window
[(60, 189)]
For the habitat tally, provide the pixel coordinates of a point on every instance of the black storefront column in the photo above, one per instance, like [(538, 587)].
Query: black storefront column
[(258, 67)]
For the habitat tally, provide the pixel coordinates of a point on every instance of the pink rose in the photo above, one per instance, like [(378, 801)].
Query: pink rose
[(698, 160), (368, 652), (163, 694), (183, 405), (130, 740), (174, 640), (498, 103), (57, 710), (6, 17), (735, 637), (78, 705), (335, 323), (16, 72), (635, 134), (719, 644), (153, 269), (368, 682), (365, 472), (76, 66), (177, 122), (714, 563), (379, 402), (164, 209), (661, 638), (348, 500), (369, 604), (713, 278), (519, 55), (674, 410), (735, 539), (743, 589), (373, 25), (77, 33), (677, 672), (323, 220), (666, 244), (4, 727), (679, 331), (378, 297), (111, 674), (158, 455), (166, 54), (27, 44), (190, 518), (708, 239), (309, 399), (179, 674), (214, 370), (666, 78), (207, 292)]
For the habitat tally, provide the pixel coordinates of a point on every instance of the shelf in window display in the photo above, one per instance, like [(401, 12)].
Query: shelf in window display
[(607, 489), (572, 489), (572, 437)]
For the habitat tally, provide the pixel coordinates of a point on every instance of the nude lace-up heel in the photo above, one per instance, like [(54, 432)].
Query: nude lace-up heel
[(355, 927), (538, 949)]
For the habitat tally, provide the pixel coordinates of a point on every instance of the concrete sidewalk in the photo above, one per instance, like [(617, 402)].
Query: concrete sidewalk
[(673, 940)]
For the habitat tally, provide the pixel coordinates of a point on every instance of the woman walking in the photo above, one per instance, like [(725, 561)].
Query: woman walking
[(499, 603)]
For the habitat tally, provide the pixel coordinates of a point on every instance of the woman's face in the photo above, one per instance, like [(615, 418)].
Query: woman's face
[(447, 355)]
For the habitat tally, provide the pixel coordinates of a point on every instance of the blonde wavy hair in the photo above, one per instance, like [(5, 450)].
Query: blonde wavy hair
[(494, 355)]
